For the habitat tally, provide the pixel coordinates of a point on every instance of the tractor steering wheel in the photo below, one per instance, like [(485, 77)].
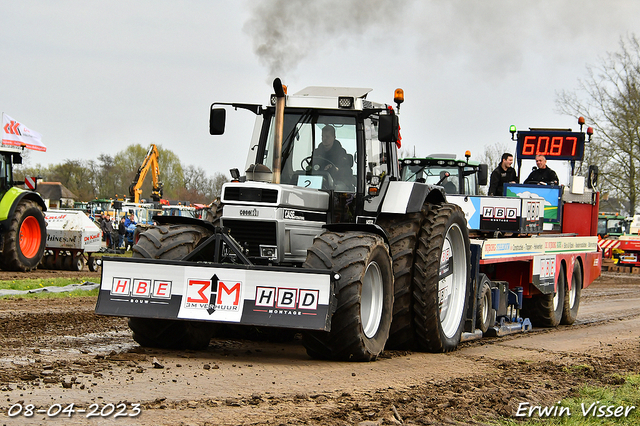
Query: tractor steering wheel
[(308, 160)]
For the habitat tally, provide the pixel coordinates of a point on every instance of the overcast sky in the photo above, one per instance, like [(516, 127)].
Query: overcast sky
[(95, 76)]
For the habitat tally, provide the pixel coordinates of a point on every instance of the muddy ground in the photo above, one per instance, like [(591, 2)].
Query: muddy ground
[(59, 352)]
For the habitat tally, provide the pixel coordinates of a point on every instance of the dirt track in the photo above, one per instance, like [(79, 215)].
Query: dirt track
[(58, 352)]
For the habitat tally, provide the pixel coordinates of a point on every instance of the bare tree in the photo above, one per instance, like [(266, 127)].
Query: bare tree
[(492, 154), (609, 98)]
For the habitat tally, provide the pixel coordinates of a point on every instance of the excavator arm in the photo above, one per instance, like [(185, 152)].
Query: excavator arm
[(150, 163)]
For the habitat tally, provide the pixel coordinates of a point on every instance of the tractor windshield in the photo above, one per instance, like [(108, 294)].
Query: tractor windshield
[(432, 175), (318, 150)]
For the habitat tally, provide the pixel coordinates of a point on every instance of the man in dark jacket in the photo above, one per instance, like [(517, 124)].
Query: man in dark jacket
[(543, 175), (332, 157), (107, 229), (502, 174), (122, 230)]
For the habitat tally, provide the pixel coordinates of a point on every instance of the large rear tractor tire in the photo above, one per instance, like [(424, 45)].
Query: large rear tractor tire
[(403, 236), (572, 297), (170, 242), (364, 306), (26, 238), (545, 310), (441, 278)]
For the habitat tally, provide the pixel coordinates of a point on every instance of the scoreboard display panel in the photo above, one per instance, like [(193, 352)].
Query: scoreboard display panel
[(554, 145)]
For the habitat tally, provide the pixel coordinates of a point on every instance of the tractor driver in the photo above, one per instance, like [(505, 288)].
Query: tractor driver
[(333, 157), (543, 175)]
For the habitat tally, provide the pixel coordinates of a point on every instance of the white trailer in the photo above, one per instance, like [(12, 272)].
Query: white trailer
[(72, 238)]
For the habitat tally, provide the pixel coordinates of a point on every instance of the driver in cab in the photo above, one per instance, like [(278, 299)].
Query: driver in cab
[(332, 157)]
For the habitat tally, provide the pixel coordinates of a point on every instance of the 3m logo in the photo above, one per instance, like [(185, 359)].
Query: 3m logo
[(143, 288), (499, 212), (12, 128), (213, 294), (286, 298)]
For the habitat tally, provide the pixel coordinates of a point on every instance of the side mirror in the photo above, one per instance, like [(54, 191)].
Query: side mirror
[(483, 173), (16, 158), (388, 128), (592, 177), (217, 118)]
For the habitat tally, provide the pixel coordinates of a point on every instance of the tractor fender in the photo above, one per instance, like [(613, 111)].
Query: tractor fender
[(183, 220), (358, 227), (409, 197), (12, 198)]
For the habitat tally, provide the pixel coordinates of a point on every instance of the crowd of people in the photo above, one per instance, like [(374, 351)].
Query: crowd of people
[(115, 237)]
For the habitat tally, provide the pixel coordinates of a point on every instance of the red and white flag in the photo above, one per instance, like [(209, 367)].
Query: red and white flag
[(17, 134)]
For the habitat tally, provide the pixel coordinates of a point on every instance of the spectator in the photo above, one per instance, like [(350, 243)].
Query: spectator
[(107, 229), (122, 230), (130, 220), (502, 174)]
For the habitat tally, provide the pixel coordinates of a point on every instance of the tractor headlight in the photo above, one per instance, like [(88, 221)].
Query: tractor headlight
[(269, 252)]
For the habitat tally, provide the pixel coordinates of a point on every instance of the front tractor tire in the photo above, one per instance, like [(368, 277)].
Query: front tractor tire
[(364, 296), (170, 242), (441, 278), (25, 240)]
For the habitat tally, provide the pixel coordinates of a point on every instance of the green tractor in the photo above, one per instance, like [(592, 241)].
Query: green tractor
[(456, 176), (23, 233)]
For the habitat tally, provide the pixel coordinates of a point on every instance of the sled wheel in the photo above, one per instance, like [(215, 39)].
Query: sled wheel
[(441, 278), (364, 293), (572, 297), (170, 242), (92, 263), (68, 262), (49, 261), (485, 314), (25, 239), (403, 235), (77, 263), (545, 310), (58, 263)]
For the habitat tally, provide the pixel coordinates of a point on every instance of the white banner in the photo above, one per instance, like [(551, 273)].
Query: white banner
[(14, 133)]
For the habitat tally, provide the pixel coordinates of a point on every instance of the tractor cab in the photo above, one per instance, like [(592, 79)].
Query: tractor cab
[(8, 157), (456, 176), (331, 144)]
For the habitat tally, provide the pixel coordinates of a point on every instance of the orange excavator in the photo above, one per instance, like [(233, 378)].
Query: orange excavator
[(150, 163)]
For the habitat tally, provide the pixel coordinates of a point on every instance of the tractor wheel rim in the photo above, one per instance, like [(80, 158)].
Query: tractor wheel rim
[(572, 296), (30, 237), (452, 288), (485, 307), (371, 300)]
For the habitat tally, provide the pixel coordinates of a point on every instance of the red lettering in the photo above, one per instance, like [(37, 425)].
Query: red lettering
[(203, 286), (575, 144), (235, 288), (556, 146), (121, 286), (529, 145), (142, 287), (542, 139), (162, 288)]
